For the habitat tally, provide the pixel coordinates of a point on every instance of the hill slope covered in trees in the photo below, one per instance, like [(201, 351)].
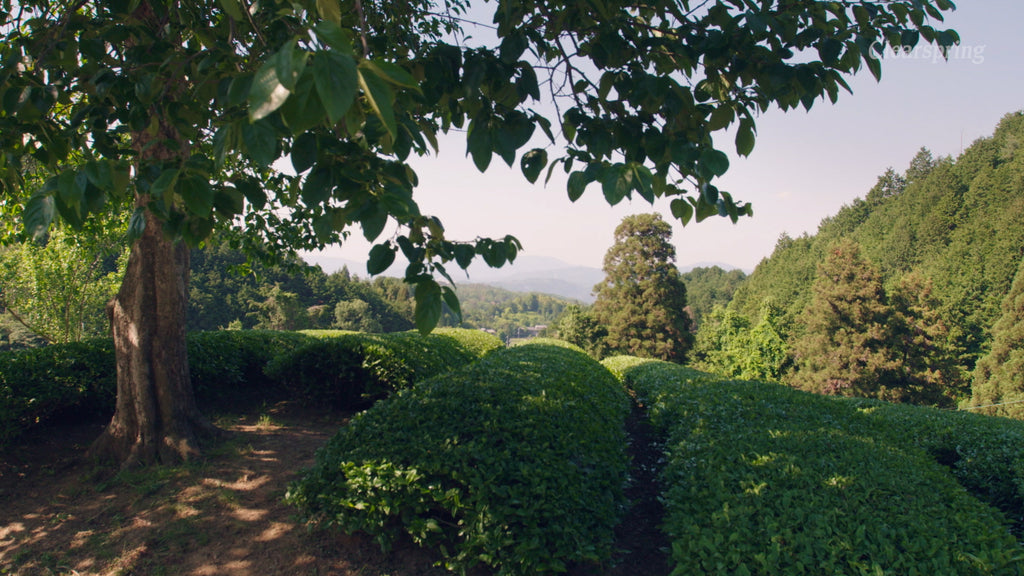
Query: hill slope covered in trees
[(950, 226)]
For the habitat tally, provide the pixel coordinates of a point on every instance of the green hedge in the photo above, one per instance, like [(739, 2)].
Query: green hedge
[(350, 370), (227, 366), (763, 479), (984, 453), (516, 462), (61, 380), (79, 379)]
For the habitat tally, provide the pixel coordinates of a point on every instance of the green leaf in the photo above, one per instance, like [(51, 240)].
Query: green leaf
[(643, 181), (232, 8), (261, 142), (712, 163), (195, 190), (303, 109), (391, 73), (478, 142), (532, 163), (318, 186), (71, 187), (136, 225), (705, 210), (39, 213), (464, 255), (266, 94), (252, 191), (745, 137), (616, 183), (428, 305), (304, 152), (289, 64), (333, 35), (578, 182), (452, 300), (330, 10), (373, 224), (164, 184), (682, 210), (720, 118), (337, 82), (381, 258), (381, 99)]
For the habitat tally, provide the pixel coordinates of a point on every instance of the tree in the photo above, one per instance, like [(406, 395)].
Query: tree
[(578, 327), (355, 315), (999, 375), (183, 108), (59, 290), (728, 345), (642, 299), (843, 350)]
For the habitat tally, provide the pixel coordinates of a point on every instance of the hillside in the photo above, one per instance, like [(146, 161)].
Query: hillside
[(956, 222)]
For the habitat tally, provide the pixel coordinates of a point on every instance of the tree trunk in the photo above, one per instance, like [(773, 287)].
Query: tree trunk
[(156, 419)]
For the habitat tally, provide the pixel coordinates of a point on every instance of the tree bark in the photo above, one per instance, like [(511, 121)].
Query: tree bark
[(156, 419)]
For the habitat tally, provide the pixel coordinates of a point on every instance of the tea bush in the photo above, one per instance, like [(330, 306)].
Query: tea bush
[(763, 479), (984, 453), (517, 462), (226, 366), (39, 384), (350, 370)]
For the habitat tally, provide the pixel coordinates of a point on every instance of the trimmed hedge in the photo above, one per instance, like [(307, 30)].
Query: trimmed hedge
[(351, 370), (984, 453), (516, 462), (763, 479), (39, 384), (226, 366), (79, 379)]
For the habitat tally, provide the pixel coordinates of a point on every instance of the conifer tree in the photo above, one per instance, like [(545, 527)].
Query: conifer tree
[(642, 299), (843, 350), (999, 375)]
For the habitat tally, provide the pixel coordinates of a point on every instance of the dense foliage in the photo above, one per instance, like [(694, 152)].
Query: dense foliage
[(708, 287), (511, 315), (78, 379), (999, 377), (642, 300), (352, 370), (516, 462), (763, 479), (944, 241)]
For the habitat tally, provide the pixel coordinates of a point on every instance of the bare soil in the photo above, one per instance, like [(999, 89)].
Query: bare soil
[(224, 515)]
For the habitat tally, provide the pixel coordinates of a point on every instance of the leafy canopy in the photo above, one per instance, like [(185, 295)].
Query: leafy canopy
[(189, 107)]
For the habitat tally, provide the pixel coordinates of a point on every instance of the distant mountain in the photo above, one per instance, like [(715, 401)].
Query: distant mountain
[(529, 273)]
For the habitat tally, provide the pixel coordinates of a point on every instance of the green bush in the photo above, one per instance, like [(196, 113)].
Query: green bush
[(226, 366), (763, 479), (350, 370), (516, 462), (67, 380), (79, 379), (984, 453)]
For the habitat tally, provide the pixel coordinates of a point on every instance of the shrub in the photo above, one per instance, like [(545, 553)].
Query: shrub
[(226, 366), (517, 462), (350, 370), (763, 479), (64, 380), (79, 379)]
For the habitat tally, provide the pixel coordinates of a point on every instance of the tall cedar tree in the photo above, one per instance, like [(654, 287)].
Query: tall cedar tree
[(642, 299), (843, 350), (999, 376), (182, 108)]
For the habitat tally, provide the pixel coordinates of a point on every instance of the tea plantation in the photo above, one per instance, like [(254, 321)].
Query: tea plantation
[(514, 460)]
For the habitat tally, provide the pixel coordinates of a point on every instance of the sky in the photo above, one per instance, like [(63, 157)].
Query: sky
[(805, 166)]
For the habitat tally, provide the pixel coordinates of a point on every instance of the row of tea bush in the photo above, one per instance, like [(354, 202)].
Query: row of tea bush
[(763, 479), (233, 370), (516, 462)]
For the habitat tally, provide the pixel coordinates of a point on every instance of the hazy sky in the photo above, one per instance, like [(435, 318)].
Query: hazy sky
[(805, 165)]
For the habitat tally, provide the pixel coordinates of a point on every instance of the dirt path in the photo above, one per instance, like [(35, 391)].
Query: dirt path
[(224, 515)]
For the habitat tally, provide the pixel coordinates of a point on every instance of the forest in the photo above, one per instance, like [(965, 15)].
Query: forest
[(911, 293)]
